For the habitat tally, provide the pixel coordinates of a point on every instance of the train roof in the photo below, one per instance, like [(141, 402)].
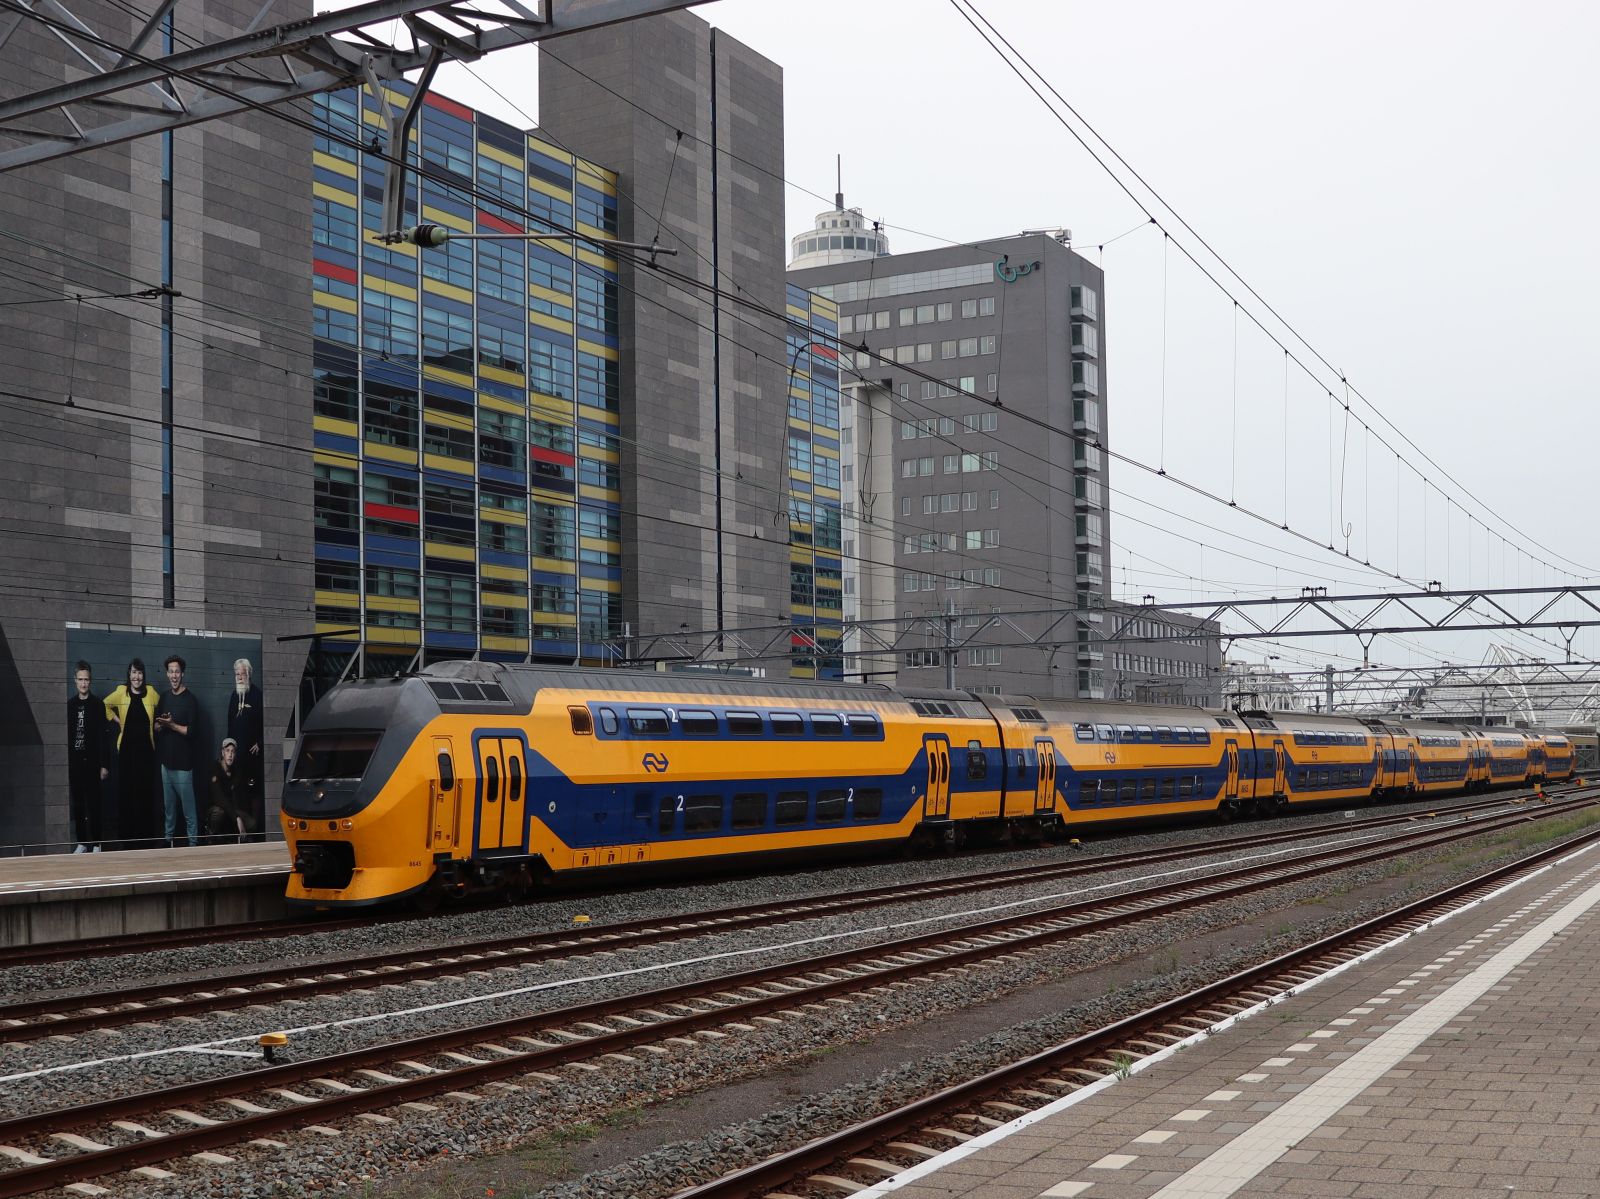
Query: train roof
[(522, 683)]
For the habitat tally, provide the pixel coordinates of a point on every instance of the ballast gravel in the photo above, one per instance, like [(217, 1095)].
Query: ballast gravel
[(499, 1116)]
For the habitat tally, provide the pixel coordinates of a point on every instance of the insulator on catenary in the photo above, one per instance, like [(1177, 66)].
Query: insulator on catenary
[(427, 235)]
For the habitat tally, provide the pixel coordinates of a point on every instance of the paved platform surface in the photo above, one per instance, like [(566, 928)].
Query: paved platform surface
[(63, 897), (1460, 1062)]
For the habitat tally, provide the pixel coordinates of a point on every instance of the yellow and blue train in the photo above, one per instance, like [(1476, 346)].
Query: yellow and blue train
[(478, 777)]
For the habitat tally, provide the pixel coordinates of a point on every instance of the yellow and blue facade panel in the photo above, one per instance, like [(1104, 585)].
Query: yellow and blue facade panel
[(448, 383)]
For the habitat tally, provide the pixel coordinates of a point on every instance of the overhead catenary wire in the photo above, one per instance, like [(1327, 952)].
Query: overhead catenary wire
[(992, 36)]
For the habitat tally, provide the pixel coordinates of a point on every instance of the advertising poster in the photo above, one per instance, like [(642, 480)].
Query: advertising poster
[(165, 741)]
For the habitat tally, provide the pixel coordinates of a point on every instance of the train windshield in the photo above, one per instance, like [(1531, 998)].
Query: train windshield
[(325, 757)]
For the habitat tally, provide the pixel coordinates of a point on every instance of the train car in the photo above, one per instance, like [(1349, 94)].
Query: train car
[(1509, 758), (1558, 757), (1443, 758), (1114, 761), (1326, 759), (474, 777)]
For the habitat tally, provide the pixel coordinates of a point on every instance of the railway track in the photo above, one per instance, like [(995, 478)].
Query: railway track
[(163, 939), (162, 1126), (60, 1015), (856, 1157)]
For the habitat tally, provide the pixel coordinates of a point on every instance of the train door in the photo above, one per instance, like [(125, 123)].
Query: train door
[(1044, 788), (1231, 757), (444, 799), (936, 804), (1280, 770), (502, 793)]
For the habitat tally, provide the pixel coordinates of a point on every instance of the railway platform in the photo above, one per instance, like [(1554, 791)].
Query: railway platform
[(68, 897), (1461, 1060)]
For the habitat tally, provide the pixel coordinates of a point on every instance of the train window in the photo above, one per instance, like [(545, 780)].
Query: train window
[(494, 692), (790, 808), (1147, 789), (1163, 734), (702, 813), (642, 805), (1083, 732), (444, 691), (786, 724), (447, 773), (582, 722), (697, 722), (864, 726), (831, 803), (1186, 787), (868, 803), (826, 724), (608, 722), (666, 806), (743, 724), (1169, 788), (977, 761), (1102, 732), (1125, 733), (491, 779), (1180, 735), (749, 809), (1129, 791), (513, 780), (1145, 733), (327, 756), (648, 722)]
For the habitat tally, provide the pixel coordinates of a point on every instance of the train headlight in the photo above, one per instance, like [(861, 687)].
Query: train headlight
[(348, 825)]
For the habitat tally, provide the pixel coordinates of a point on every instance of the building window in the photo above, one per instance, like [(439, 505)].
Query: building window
[(969, 309), (333, 224), (336, 502), (450, 603), (946, 312), (986, 306)]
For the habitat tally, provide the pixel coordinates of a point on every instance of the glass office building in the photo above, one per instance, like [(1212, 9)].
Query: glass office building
[(816, 576), (466, 398)]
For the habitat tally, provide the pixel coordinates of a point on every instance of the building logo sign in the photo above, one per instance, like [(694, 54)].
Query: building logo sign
[(1010, 274)]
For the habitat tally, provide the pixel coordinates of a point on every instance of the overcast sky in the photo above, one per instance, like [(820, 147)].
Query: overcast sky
[(1412, 186)]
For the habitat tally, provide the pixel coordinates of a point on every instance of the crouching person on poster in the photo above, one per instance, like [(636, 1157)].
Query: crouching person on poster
[(228, 818)]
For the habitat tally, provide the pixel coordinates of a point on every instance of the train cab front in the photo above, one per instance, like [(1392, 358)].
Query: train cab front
[(347, 805)]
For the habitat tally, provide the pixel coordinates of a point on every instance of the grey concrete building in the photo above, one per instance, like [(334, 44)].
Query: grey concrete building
[(990, 359), (974, 469), (692, 121), (156, 460)]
